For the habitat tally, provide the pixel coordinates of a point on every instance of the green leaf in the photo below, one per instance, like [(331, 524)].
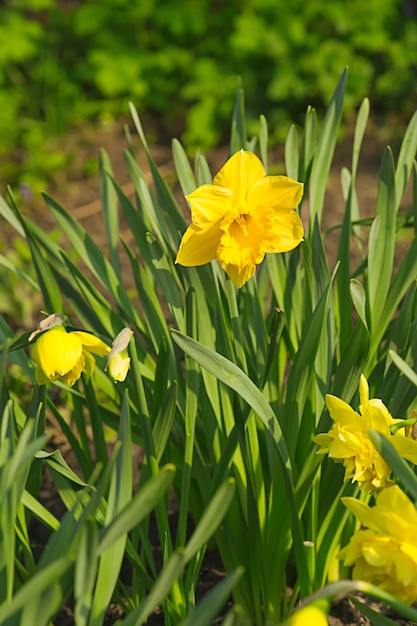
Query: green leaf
[(403, 366), (358, 295), (232, 376), (183, 168), (169, 209), (406, 159), (238, 137), (10, 217), (164, 421), (302, 370), (291, 153), (139, 507), (170, 573), (395, 461), (28, 596), (263, 141), (119, 496), (46, 280), (406, 273), (202, 170), (361, 123), (382, 241), (308, 145), (91, 254), (212, 603), (212, 517), (352, 364), (42, 513), (110, 209), (325, 148), (85, 573), (375, 617)]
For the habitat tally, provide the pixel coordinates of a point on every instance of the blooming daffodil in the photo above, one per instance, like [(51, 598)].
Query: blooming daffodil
[(384, 550), (348, 440), (242, 216)]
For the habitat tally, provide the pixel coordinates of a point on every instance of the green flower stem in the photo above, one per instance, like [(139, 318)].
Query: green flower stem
[(236, 327)]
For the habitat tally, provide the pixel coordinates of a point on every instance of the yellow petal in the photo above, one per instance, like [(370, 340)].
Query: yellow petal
[(56, 352), (323, 440), (209, 203), (287, 233), (199, 245), (394, 499), (280, 193), (363, 390), (406, 447), (239, 174), (91, 342), (361, 510), (341, 412), (73, 375)]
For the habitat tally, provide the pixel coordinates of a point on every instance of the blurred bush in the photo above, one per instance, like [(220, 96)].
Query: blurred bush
[(64, 61)]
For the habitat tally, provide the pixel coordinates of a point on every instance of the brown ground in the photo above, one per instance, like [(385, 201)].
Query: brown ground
[(79, 194)]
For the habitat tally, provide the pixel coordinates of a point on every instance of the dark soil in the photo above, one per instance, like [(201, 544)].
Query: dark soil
[(79, 194)]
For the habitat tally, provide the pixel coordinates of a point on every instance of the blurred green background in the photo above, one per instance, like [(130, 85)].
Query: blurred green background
[(63, 63)]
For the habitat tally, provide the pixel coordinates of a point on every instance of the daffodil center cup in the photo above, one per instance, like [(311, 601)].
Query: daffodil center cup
[(242, 221)]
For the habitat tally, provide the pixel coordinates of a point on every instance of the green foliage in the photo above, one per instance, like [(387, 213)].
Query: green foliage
[(60, 65)]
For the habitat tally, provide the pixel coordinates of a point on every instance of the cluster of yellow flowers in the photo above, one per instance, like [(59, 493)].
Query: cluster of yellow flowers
[(384, 551)]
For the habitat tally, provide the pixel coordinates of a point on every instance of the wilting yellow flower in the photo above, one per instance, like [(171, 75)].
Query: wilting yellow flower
[(62, 355), (240, 217), (385, 552), (348, 441), (313, 614)]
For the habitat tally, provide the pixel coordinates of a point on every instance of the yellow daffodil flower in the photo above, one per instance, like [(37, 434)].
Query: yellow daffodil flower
[(384, 551), (62, 355), (348, 441), (240, 217)]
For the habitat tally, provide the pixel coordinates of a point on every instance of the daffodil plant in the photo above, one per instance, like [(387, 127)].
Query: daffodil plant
[(243, 348)]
